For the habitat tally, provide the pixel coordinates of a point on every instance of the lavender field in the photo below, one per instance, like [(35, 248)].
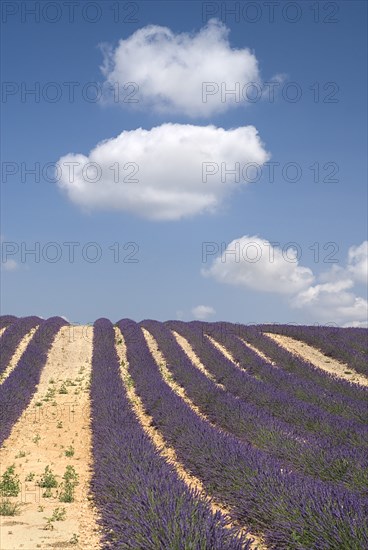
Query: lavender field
[(184, 269), (201, 435)]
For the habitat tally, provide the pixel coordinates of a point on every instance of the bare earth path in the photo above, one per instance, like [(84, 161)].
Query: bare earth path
[(54, 431), (259, 353), (318, 359), (226, 353), (187, 348)]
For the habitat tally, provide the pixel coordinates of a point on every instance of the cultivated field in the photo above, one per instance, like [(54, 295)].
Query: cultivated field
[(182, 436)]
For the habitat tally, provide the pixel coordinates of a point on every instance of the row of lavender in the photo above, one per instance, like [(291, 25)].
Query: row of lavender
[(308, 453), (6, 320), (141, 501), (285, 525), (349, 345), (12, 337), (292, 510), (309, 382), (300, 377), (17, 390), (281, 402)]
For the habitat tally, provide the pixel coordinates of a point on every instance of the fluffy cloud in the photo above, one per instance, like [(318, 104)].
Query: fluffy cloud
[(333, 302), (254, 263), (9, 265), (358, 262), (170, 69), (333, 299), (168, 164), (203, 312)]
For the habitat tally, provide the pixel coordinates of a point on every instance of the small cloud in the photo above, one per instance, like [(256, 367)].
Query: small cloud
[(203, 312), (358, 262), (356, 324), (333, 302), (9, 265), (333, 298), (256, 263)]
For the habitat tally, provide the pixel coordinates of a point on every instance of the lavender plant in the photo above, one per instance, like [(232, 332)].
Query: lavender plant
[(17, 390), (349, 345), (310, 454), (142, 502), (7, 320), (12, 336), (292, 510), (279, 402), (296, 376)]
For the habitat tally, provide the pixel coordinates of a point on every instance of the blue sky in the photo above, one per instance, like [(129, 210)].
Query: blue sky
[(321, 56)]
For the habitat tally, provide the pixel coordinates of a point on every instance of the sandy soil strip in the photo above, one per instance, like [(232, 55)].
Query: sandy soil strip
[(259, 353), (318, 359), (2, 330), (187, 348), (54, 431), (168, 377), (197, 362), (229, 356), (168, 452), (223, 350), (18, 354)]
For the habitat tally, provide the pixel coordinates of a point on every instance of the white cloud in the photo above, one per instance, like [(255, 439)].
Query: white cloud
[(170, 69), (9, 265), (203, 312), (333, 302), (170, 183), (357, 324), (358, 262), (333, 298), (254, 263)]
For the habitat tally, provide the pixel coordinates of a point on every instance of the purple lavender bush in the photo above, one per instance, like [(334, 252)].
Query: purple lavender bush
[(296, 376), (7, 320), (17, 390), (12, 336), (293, 364), (308, 453), (141, 501), (304, 416), (349, 345), (291, 510)]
